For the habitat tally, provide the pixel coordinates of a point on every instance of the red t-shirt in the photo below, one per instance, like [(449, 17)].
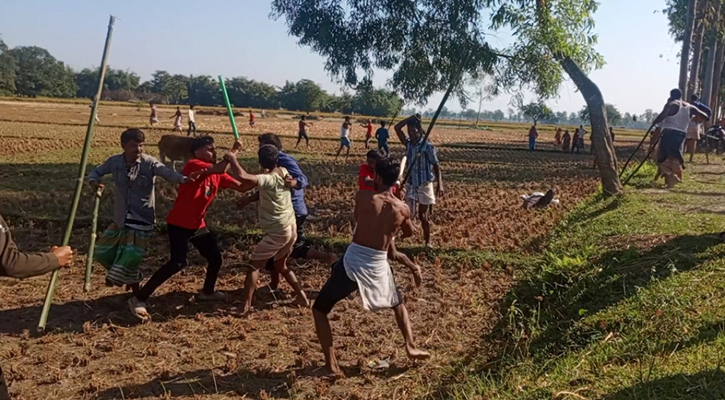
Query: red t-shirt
[(194, 197), (365, 172), (370, 130), (251, 117)]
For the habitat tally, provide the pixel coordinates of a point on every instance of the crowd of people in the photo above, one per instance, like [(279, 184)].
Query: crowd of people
[(387, 202)]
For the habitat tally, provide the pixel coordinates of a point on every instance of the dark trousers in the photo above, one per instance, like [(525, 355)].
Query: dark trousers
[(4, 395), (384, 146), (192, 128), (179, 239)]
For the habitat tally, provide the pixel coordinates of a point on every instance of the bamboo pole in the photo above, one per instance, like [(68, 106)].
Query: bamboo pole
[(635, 151), (94, 234), (81, 174), (229, 108)]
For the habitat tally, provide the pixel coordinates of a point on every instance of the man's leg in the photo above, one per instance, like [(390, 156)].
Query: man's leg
[(4, 395), (400, 257), (250, 284), (307, 141), (299, 139), (425, 223), (208, 248), (338, 152), (281, 267), (179, 243), (401, 316), (348, 153)]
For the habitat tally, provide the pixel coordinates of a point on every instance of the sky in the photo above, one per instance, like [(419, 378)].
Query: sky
[(238, 38)]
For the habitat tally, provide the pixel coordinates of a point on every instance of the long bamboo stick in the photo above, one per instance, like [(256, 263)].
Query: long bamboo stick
[(81, 175), (94, 234), (229, 108)]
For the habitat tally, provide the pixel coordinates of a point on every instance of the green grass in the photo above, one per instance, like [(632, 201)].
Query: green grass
[(627, 303)]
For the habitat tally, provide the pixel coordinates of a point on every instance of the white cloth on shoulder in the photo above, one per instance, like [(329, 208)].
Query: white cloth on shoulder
[(369, 268)]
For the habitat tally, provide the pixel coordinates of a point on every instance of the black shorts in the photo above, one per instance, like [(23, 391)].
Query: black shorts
[(337, 287), (302, 134)]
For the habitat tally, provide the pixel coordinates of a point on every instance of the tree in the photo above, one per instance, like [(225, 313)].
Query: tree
[(203, 90), (613, 115), (376, 102), (304, 95), (8, 65), (686, 44), (426, 44), (536, 111), (38, 73)]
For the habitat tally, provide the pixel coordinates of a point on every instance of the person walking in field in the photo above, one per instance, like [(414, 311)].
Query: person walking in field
[(424, 170), (364, 268), (122, 246), (93, 103), (575, 142), (582, 134), (382, 135), (345, 138), (276, 218), (251, 119), (185, 223), (533, 135), (695, 130), (14, 264), (302, 249), (368, 132), (674, 121), (302, 132), (566, 142), (153, 118), (192, 122), (177, 119), (557, 137)]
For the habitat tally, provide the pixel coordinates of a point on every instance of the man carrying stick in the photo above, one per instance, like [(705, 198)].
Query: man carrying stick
[(424, 170), (15, 264), (365, 267), (122, 247)]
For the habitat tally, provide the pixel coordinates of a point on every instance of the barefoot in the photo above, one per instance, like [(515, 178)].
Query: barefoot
[(301, 300), (138, 309), (330, 373), (417, 275), (240, 312), (415, 354)]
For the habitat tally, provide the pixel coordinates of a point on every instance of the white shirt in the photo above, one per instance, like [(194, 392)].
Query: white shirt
[(191, 115), (344, 132), (679, 121)]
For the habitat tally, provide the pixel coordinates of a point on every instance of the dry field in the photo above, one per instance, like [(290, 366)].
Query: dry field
[(94, 350)]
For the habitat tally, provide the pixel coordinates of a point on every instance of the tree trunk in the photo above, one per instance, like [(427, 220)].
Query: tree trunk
[(686, 42), (601, 141), (717, 75), (478, 115), (699, 35)]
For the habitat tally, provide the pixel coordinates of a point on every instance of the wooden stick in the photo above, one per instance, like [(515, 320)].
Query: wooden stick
[(92, 244)]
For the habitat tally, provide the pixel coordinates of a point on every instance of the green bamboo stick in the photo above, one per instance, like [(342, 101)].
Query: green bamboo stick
[(229, 108), (81, 175), (92, 244)]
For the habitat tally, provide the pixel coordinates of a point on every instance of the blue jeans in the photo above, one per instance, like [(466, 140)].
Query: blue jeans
[(384, 146), (532, 143)]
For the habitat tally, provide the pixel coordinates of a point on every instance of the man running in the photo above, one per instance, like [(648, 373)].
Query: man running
[(177, 119), (424, 169), (674, 120), (344, 138), (382, 135), (302, 132), (192, 122), (365, 267), (368, 132), (251, 119)]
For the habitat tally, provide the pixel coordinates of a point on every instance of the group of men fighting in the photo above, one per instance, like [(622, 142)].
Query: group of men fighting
[(383, 206)]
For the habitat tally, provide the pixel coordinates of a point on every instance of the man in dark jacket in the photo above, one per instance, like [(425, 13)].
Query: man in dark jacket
[(15, 264)]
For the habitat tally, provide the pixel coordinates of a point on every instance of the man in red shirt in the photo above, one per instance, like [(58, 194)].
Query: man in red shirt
[(185, 223), (368, 133), (366, 173), (251, 119)]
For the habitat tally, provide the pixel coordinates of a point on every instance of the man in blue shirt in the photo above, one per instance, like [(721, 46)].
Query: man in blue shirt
[(382, 135), (301, 249), (423, 169)]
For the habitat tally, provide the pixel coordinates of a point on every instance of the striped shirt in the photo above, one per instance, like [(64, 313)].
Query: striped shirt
[(421, 170)]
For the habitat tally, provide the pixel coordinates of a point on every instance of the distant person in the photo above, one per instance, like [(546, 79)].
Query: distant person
[(251, 119), (302, 132), (695, 130), (345, 141), (575, 142), (382, 135), (368, 132), (192, 122), (153, 118), (557, 137), (533, 134), (566, 142), (14, 264), (177, 119), (674, 121), (582, 134), (263, 113), (93, 103)]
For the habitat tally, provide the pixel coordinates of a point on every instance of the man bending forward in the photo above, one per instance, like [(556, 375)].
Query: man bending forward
[(365, 266)]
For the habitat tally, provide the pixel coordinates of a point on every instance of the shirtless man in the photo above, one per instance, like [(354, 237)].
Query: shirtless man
[(365, 267), (344, 138), (302, 132)]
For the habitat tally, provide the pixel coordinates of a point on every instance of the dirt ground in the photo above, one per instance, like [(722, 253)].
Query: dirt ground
[(93, 348)]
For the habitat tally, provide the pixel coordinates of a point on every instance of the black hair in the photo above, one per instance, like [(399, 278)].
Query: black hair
[(200, 142), (303, 117), (414, 123), (191, 106), (675, 94), (388, 169), (383, 123), (375, 155), (268, 155), (270, 138), (132, 134)]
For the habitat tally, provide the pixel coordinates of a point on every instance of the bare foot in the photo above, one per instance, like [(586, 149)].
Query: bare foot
[(415, 354), (330, 373), (417, 275), (301, 300), (240, 312), (138, 309)]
